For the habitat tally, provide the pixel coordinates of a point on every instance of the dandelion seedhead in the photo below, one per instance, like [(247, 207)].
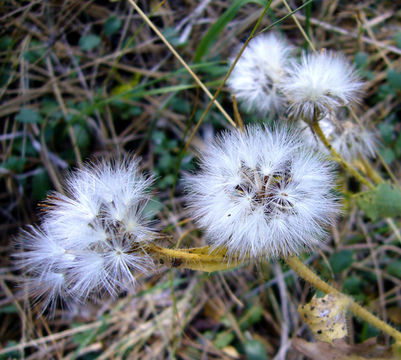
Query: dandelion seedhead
[(262, 193), (319, 84), (256, 77), (350, 140), (90, 240)]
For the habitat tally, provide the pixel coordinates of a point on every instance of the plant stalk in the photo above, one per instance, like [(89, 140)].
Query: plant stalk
[(308, 275), (337, 157)]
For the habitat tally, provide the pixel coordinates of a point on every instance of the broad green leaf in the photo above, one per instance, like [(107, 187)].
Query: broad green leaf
[(381, 202), (89, 42), (341, 260), (112, 25), (28, 116), (214, 31)]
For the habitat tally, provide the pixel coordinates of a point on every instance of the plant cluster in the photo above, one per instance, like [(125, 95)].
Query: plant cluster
[(261, 192)]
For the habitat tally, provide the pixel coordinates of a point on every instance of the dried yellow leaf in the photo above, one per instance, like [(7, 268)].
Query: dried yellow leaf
[(326, 316)]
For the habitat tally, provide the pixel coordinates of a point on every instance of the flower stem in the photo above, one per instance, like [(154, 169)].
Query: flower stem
[(337, 157), (308, 275), (370, 171), (202, 258)]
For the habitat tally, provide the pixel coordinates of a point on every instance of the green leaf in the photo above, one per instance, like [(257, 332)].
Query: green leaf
[(14, 163), (255, 350), (388, 155), (36, 50), (172, 36), (223, 339), (341, 260), (82, 136), (352, 285), (112, 25), (361, 59), (394, 268), (8, 309), (387, 132), (397, 146), (28, 116), (89, 42), (394, 79), (397, 39), (6, 43), (252, 316), (381, 202), (213, 33), (40, 185)]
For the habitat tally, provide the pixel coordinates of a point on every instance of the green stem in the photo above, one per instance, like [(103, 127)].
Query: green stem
[(308, 275)]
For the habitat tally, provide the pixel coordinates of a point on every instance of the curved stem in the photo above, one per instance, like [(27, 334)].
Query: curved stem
[(207, 259), (308, 275), (337, 157)]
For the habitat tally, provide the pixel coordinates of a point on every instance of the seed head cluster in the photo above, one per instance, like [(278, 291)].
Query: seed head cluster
[(262, 193), (267, 78), (90, 239)]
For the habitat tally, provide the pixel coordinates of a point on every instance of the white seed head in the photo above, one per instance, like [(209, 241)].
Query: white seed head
[(320, 84), (91, 239), (262, 194), (257, 74), (350, 140)]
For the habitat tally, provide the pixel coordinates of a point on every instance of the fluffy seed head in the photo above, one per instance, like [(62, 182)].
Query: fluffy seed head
[(350, 140), (258, 72), (262, 193), (90, 240), (319, 84)]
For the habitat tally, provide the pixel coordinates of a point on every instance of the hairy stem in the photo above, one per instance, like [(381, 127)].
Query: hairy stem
[(203, 258), (308, 275), (337, 157), (370, 172)]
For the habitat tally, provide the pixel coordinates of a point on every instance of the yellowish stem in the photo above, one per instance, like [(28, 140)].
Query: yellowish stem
[(202, 259), (206, 259), (308, 275), (370, 171), (337, 157)]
